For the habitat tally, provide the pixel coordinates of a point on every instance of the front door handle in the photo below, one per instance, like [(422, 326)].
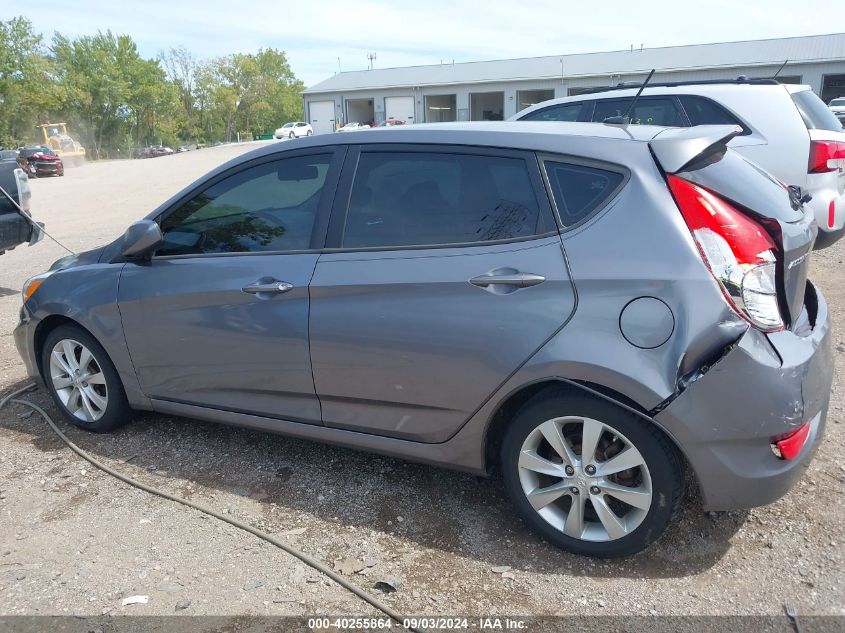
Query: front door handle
[(274, 287), (520, 280)]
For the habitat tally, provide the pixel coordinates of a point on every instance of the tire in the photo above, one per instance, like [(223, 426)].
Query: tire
[(291, 135), (309, 133), (99, 405), (656, 471)]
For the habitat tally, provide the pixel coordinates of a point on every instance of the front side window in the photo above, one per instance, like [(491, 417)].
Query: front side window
[(647, 111), (267, 208), (580, 189), (562, 112), (422, 198)]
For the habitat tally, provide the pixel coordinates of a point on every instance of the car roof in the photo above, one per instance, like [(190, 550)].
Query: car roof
[(710, 89), (493, 133)]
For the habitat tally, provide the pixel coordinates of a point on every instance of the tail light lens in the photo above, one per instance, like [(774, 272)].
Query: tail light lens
[(739, 253), (826, 156), (788, 445)]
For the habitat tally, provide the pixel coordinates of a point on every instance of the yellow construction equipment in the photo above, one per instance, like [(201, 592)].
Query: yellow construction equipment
[(56, 138)]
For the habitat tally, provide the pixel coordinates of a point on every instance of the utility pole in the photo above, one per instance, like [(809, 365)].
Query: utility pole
[(371, 57)]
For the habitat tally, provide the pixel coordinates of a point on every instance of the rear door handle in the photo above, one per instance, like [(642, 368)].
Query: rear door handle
[(274, 287), (520, 280)]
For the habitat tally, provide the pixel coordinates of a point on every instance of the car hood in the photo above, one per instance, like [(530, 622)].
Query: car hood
[(78, 259)]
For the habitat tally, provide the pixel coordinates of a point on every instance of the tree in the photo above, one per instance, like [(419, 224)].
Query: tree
[(25, 81), (113, 99)]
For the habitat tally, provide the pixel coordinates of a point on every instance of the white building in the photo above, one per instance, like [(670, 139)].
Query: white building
[(493, 90)]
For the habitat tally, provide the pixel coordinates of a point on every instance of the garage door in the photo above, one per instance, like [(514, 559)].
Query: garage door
[(399, 108), (321, 115)]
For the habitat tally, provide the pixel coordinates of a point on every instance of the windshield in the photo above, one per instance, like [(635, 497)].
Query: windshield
[(838, 102), (288, 125)]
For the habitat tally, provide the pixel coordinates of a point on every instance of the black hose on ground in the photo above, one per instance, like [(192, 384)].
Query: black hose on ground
[(302, 556)]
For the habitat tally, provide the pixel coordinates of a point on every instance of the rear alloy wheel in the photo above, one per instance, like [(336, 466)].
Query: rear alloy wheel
[(83, 381), (291, 135), (309, 133), (591, 477)]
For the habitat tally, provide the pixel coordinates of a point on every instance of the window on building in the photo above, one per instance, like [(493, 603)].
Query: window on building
[(440, 108), (528, 98)]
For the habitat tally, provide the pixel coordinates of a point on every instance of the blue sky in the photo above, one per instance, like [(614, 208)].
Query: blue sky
[(318, 32)]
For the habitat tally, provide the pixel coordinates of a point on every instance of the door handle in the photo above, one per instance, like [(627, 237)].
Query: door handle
[(520, 280), (275, 287)]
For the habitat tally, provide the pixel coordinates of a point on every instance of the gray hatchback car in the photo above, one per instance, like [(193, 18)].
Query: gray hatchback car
[(592, 309)]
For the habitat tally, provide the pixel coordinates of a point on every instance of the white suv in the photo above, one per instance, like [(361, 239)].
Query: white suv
[(294, 129), (837, 106), (787, 130)]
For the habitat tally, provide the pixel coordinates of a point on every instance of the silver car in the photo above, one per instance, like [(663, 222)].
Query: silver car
[(591, 309), (786, 129)]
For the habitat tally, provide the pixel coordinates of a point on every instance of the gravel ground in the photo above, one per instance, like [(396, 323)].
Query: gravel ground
[(75, 541)]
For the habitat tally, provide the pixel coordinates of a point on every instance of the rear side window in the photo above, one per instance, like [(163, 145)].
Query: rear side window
[(647, 111), (701, 111), (816, 115), (423, 198), (579, 190), (562, 112)]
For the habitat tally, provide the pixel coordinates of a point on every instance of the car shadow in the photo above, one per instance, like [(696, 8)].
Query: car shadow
[(278, 480), (8, 292)]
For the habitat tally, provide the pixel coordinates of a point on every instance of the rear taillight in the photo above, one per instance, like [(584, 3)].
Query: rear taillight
[(739, 253), (826, 156), (788, 445)]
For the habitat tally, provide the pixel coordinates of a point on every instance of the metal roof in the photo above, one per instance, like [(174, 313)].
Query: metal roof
[(813, 48)]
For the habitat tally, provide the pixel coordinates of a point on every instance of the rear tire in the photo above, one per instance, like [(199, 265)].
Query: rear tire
[(587, 504), (83, 381), (291, 135), (309, 133)]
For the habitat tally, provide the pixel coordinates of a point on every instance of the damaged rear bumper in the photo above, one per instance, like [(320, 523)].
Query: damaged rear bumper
[(765, 386)]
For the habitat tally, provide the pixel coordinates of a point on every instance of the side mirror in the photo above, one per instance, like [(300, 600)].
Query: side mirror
[(141, 239)]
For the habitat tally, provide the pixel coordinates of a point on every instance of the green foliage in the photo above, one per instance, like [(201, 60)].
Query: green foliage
[(114, 100)]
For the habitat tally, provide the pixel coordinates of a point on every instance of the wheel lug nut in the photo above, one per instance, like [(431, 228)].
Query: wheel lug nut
[(590, 470), (594, 490), (574, 490), (570, 471)]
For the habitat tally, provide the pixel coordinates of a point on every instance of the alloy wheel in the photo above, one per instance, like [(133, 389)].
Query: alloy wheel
[(585, 478), (78, 380)]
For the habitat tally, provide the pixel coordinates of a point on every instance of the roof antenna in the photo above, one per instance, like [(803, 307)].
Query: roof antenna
[(782, 66), (625, 119)]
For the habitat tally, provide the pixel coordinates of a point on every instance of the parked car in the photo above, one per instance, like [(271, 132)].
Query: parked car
[(354, 127), (40, 161), (154, 151), (14, 228), (424, 306), (837, 106), (392, 122), (786, 129), (294, 129)]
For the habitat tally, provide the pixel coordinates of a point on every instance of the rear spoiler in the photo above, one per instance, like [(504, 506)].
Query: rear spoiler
[(676, 148)]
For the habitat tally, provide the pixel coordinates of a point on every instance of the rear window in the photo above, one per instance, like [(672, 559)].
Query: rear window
[(745, 184), (561, 112), (579, 190), (701, 111), (816, 115)]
